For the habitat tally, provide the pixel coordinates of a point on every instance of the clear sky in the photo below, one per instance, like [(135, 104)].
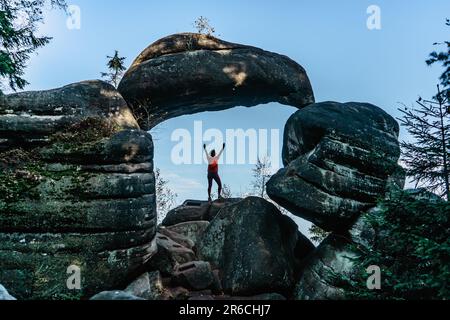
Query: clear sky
[(344, 59)]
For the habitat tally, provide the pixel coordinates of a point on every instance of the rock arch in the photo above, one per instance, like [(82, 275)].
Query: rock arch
[(190, 73)]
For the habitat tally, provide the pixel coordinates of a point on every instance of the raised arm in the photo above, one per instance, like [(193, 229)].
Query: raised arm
[(206, 152), (221, 152)]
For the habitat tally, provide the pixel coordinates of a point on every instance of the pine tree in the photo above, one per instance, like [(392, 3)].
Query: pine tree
[(427, 156), (116, 69), (18, 38)]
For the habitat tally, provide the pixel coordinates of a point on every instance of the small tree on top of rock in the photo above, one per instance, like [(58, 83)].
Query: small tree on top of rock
[(18, 38), (203, 26), (116, 69)]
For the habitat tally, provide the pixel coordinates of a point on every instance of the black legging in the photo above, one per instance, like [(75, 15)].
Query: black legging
[(214, 176)]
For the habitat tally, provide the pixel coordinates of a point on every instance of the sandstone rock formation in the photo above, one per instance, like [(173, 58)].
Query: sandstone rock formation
[(339, 158), (253, 245), (179, 238), (189, 73), (77, 189)]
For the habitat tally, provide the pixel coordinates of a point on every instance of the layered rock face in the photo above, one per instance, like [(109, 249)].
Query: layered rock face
[(190, 73), (339, 158), (254, 246), (77, 191), (4, 295)]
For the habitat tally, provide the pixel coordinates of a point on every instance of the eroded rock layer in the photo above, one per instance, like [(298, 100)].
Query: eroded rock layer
[(339, 159), (77, 192)]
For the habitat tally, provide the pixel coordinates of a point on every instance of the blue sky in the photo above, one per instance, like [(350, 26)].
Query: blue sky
[(344, 60)]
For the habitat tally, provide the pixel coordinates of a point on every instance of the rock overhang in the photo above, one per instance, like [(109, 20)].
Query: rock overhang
[(190, 73)]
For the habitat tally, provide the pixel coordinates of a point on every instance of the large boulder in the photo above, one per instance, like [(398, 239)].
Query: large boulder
[(253, 244), (339, 159), (77, 190), (189, 73), (196, 210)]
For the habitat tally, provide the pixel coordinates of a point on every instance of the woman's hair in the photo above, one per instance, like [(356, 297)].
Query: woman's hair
[(213, 153)]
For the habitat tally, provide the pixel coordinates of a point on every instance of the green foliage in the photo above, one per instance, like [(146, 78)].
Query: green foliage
[(16, 180), (443, 58), (203, 26), (412, 250), (22, 170), (18, 27), (116, 69), (15, 184), (426, 156)]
